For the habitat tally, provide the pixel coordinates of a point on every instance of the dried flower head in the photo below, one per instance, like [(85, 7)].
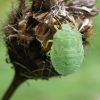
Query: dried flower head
[(31, 26)]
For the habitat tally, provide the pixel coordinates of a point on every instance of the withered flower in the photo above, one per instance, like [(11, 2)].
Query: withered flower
[(29, 28)]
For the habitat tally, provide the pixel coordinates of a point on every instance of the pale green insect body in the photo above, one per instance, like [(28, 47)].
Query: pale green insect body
[(67, 50)]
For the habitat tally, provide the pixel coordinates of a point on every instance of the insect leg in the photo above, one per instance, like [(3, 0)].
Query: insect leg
[(48, 43), (48, 54), (73, 26), (55, 26)]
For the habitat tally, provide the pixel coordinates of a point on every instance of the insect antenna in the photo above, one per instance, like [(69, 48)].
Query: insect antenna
[(58, 20)]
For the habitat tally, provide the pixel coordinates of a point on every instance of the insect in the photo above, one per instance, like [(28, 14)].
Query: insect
[(67, 51)]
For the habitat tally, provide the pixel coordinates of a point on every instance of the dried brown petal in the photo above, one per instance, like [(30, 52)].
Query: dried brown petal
[(87, 3), (86, 22)]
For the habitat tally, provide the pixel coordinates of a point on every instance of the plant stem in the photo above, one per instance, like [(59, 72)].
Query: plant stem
[(17, 81)]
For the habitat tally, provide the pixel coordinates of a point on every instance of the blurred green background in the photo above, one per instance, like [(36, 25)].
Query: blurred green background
[(83, 85)]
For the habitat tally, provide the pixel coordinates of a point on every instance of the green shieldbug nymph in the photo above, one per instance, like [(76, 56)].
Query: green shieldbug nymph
[(67, 51)]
